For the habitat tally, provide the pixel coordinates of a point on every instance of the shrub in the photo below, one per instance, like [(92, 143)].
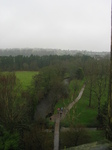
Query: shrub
[(74, 137), (38, 139), (8, 140)]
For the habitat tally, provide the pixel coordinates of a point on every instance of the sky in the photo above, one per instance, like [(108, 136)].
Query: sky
[(60, 24)]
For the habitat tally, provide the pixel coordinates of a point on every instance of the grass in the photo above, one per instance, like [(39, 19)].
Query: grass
[(85, 115), (74, 84), (88, 115), (25, 77), (96, 135), (82, 114), (74, 138)]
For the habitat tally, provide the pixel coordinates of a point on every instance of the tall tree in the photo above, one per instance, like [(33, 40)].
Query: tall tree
[(90, 75), (12, 105)]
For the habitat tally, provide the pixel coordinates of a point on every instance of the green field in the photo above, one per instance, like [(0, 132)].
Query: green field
[(25, 77), (82, 114)]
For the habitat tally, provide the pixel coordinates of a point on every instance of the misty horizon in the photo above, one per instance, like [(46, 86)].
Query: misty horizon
[(65, 24)]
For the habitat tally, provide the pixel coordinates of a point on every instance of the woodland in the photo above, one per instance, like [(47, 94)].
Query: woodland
[(25, 112)]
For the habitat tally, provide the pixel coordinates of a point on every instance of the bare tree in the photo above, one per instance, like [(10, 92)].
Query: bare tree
[(90, 75)]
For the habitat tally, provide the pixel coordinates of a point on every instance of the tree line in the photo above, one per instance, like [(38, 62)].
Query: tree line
[(25, 63)]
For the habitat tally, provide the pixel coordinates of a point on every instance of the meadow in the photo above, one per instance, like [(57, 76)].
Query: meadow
[(82, 114), (25, 77)]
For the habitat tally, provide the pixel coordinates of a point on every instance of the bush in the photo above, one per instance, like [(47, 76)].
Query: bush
[(8, 140), (103, 116), (79, 74), (38, 139), (74, 137)]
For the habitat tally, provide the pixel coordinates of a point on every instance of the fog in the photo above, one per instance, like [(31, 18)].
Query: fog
[(63, 24)]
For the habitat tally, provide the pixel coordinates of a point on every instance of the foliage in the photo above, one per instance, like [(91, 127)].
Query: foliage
[(13, 107), (99, 89), (79, 136), (48, 83), (34, 63), (73, 88), (74, 137), (103, 117), (103, 121), (81, 113), (38, 139), (8, 140), (18, 102), (47, 89), (96, 135), (79, 74)]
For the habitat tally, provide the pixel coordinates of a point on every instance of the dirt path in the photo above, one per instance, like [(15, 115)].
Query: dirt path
[(56, 133), (57, 119), (73, 103)]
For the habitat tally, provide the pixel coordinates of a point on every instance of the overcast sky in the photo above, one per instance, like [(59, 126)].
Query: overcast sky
[(63, 24)]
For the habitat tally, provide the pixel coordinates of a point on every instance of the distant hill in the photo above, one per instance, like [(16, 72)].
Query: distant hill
[(42, 52)]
